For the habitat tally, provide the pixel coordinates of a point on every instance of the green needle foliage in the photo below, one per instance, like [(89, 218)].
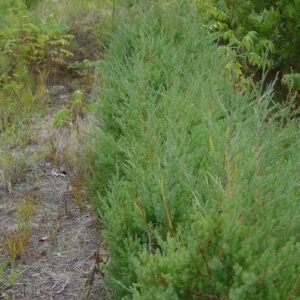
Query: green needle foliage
[(197, 185)]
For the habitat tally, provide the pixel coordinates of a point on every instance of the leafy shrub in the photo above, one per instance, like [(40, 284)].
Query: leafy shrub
[(263, 33), (31, 3), (62, 117), (67, 115), (29, 49), (35, 43), (78, 103), (196, 185)]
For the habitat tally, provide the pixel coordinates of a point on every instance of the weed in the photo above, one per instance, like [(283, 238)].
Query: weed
[(78, 104), (62, 117), (53, 233), (50, 151), (76, 190), (7, 277), (85, 70), (16, 240), (14, 167), (16, 243)]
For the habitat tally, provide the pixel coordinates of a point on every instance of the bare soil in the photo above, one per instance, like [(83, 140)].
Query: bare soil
[(62, 256)]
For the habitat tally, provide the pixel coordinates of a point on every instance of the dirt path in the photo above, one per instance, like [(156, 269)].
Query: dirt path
[(62, 247), (41, 180), (63, 251)]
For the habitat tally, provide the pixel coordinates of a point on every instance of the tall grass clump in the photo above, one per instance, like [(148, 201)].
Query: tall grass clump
[(197, 185)]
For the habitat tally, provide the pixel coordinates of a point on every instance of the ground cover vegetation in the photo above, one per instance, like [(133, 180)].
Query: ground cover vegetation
[(196, 183)]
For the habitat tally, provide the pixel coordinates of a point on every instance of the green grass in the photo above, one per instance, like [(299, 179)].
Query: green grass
[(197, 185)]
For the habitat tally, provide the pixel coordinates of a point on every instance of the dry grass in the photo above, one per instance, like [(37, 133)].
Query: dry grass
[(16, 240), (13, 168)]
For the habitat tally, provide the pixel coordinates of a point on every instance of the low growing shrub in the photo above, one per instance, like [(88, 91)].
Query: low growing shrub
[(197, 185)]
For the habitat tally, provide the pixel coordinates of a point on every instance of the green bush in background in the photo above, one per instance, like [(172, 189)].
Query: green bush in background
[(263, 33), (30, 49), (31, 3), (196, 185), (29, 42)]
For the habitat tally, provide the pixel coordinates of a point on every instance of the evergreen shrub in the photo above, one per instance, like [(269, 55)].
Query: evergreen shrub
[(197, 185)]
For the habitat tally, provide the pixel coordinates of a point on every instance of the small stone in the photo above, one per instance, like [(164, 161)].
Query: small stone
[(11, 229), (63, 97), (57, 89), (35, 226)]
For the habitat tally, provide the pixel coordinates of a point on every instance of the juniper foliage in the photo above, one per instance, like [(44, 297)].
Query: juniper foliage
[(196, 184)]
